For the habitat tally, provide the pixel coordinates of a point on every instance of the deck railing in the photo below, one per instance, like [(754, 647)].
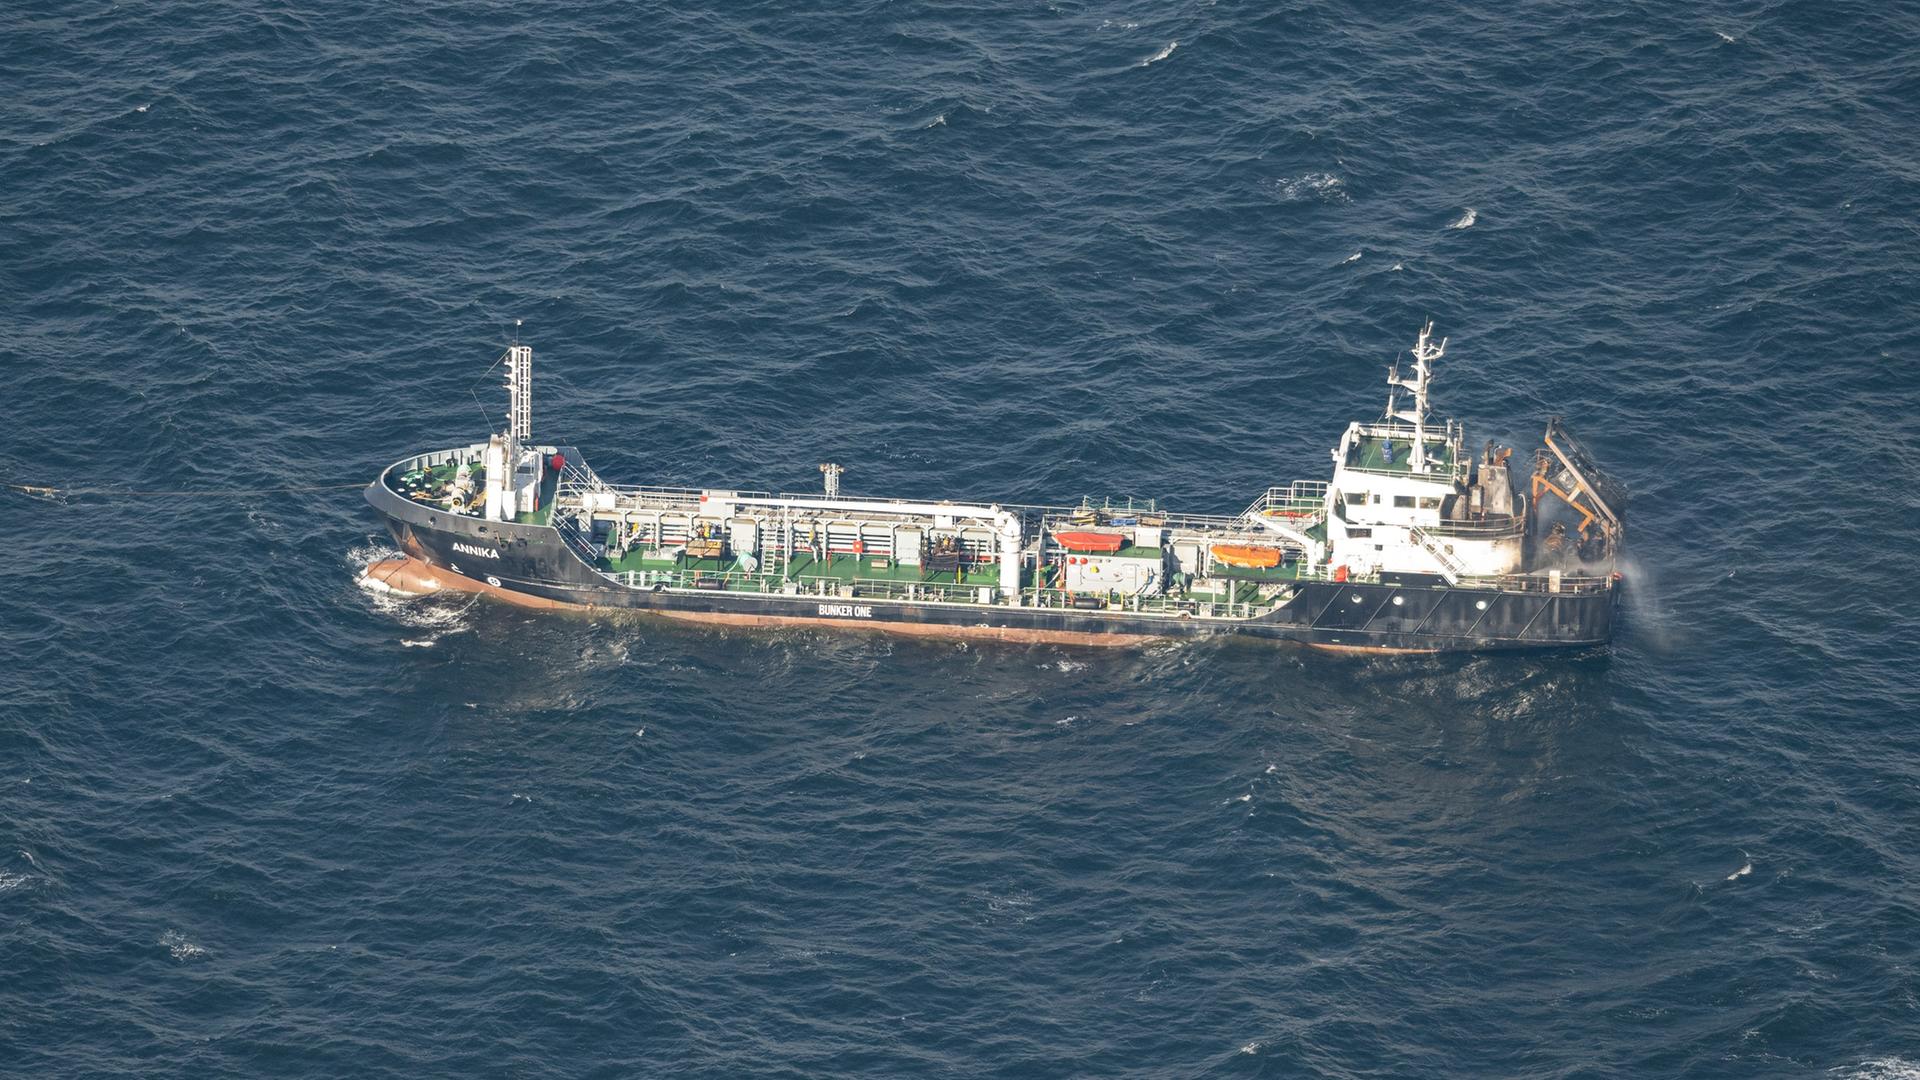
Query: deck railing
[(825, 588), (1540, 583), (1304, 502)]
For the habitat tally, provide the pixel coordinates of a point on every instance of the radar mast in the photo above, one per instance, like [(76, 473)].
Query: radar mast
[(1424, 354)]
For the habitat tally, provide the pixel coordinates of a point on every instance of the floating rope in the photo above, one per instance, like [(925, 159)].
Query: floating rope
[(46, 492)]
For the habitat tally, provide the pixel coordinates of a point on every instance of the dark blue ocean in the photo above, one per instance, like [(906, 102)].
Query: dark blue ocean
[(257, 822)]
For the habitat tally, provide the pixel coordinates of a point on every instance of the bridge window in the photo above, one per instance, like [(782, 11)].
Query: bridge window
[(1429, 502), (1356, 498), (1403, 502), (1359, 534)]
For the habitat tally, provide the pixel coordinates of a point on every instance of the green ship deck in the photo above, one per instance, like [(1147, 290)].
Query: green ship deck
[(430, 487), (1369, 452)]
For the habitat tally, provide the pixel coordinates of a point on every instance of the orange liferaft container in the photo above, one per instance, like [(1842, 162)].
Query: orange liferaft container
[(1091, 541), (1238, 555)]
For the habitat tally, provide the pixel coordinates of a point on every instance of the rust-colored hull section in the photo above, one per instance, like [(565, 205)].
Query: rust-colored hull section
[(409, 576)]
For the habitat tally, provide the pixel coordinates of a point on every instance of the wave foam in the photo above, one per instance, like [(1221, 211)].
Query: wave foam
[(179, 947), (1161, 55), (435, 611), (1890, 1068), (1465, 220), (1322, 187)]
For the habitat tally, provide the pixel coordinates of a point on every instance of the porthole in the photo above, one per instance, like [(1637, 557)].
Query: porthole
[(493, 581), (1481, 604), (1398, 600), (1357, 598)]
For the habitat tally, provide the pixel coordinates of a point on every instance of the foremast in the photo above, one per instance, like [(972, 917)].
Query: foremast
[(514, 468)]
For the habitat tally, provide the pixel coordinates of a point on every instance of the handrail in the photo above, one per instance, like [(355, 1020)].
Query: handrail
[(1306, 497), (1569, 583), (1450, 569), (1467, 530)]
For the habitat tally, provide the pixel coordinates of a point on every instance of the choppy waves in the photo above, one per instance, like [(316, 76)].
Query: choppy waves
[(284, 825)]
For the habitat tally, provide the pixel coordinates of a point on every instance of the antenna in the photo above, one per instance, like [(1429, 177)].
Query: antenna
[(832, 473), (519, 391), (1424, 354)]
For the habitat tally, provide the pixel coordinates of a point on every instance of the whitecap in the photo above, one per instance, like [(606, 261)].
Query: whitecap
[(1353, 258), (1726, 37), (9, 882), (1250, 1048), (1161, 55), (1397, 266), (179, 947), (1740, 873), (1465, 220), (1324, 187), (149, 105), (412, 644), (1890, 1068), (938, 121)]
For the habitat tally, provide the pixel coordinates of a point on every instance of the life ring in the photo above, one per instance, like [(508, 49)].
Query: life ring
[(859, 547)]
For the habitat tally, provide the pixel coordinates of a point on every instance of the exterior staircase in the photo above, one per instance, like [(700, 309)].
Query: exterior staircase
[(1290, 513), (1450, 568)]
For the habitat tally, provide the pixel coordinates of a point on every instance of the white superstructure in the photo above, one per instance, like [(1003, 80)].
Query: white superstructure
[(1406, 498), (514, 468)]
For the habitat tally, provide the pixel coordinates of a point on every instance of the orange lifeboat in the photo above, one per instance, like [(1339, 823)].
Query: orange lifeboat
[(1237, 555), (1091, 541)]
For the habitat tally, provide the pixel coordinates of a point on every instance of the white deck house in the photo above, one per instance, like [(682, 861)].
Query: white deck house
[(1406, 499)]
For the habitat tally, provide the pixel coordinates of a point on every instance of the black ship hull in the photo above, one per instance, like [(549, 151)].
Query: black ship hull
[(534, 565)]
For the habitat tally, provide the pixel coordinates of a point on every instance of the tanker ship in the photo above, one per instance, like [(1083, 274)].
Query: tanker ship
[(1417, 544)]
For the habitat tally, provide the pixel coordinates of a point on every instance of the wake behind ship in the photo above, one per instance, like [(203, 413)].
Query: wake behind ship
[(1414, 545)]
